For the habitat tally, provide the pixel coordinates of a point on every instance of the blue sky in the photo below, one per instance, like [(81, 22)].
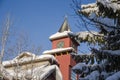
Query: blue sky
[(38, 18)]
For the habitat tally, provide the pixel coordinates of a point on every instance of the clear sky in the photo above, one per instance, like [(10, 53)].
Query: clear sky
[(38, 18)]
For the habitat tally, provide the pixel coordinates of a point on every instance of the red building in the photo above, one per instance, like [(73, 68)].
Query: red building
[(63, 45)]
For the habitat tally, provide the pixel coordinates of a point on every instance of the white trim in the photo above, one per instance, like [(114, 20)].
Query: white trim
[(58, 50), (59, 35)]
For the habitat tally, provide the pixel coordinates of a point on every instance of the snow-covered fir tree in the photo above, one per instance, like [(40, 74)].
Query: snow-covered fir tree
[(102, 63)]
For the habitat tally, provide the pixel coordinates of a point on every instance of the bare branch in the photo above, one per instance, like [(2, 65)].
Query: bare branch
[(4, 38)]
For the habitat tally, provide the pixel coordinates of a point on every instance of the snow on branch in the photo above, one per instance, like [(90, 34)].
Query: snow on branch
[(93, 76), (91, 72), (117, 43), (109, 8), (80, 68), (91, 37), (107, 52), (110, 4), (88, 9), (115, 76), (111, 52), (83, 57)]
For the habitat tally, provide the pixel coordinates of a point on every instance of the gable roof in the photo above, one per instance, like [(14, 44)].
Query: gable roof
[(25, 54), (41, 72), (27, 57)]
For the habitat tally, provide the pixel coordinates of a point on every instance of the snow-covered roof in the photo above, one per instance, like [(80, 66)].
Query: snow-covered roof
[(63, 31), (37, 73), (58, 50), (40, 72), (25, 54), (28, 57), (43, 72), (59, 35), (5, 73)]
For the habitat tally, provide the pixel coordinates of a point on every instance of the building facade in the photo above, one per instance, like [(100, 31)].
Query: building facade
[(63, 45), (54, 64), (28, 66)]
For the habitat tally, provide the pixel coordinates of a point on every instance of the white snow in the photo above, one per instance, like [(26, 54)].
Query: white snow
[(25, 53), (91, 5), (47, 57), (80, 67), (111, 52), (93, 76), (110, 4), (58, 50), (37, 73), (4, 72), (59, 35), (115, 76), (48, 70), (90, 8), (41, 73), (28, 59), (84, 34), (104, 74), (93, 8)]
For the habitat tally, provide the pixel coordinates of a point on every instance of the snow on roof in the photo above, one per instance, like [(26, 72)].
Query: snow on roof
[(47, 71), (44, 72), (41, 73), (28, 57), (5, 73), (27, 54), (38, 73), (59, 35), (58, 50)]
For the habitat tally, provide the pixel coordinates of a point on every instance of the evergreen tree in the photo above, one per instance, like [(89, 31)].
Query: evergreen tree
[(102, 63)]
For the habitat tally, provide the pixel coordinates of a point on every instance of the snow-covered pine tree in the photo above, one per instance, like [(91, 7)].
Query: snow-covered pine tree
[(102, 63)]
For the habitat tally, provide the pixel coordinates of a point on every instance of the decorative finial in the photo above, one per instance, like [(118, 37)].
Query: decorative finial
[(66, 16)]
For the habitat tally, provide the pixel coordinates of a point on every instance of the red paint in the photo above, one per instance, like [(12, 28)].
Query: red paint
[(65, 64), (65, 60)]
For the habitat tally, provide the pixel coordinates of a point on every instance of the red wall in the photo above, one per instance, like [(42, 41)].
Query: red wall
[(65, 64), (65, 60)]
